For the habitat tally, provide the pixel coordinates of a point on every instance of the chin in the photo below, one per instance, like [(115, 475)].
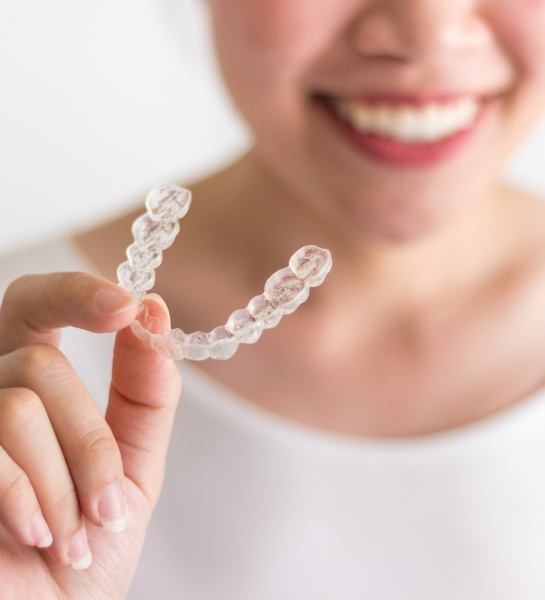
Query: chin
[(402, 216)]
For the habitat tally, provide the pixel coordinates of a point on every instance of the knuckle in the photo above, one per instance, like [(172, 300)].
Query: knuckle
[(66, 503), (97, 444), (40, 358), (73, 284), (14, 483), (12, 292), (19, 406)]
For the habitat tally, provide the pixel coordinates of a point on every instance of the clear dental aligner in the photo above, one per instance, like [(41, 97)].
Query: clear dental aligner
[(284, 291)]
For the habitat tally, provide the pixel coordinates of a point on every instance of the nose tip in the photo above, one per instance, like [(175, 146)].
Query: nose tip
[(409, 30)]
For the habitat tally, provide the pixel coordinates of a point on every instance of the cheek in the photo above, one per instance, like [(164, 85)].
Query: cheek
[(280, 37), (521, 29)]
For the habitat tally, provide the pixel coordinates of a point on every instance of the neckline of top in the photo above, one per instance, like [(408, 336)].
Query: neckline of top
[(510, 423)]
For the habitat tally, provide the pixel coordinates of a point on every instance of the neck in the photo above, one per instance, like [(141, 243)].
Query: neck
[(262, 223)]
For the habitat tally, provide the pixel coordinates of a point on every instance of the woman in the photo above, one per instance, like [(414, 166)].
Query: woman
[(386, 440)]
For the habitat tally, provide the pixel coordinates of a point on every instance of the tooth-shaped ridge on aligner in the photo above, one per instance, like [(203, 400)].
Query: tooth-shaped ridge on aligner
[(135, 280), (283, 288), (168, 202), (263, 311), (146, 231), (312, 264), (196, 346), (144, 257), (223, 344), (243, 326)]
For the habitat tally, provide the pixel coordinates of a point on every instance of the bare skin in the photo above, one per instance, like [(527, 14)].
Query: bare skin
[(400, 353)]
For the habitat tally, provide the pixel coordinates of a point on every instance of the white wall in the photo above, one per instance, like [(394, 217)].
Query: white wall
[(100, 100)]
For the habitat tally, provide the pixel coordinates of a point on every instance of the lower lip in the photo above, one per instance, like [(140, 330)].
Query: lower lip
[(397, 153)]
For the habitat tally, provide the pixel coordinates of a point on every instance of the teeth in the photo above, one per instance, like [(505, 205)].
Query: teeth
[(409, 123)]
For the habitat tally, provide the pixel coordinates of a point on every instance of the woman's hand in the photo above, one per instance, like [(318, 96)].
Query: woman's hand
[(59, 458)]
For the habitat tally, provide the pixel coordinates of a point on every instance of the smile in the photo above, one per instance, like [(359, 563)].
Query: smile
[(405, 131), (410, 124)]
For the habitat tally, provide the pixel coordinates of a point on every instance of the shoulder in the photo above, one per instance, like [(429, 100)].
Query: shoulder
[(525, 293), (525, 209), (514, 301), (524, 215)]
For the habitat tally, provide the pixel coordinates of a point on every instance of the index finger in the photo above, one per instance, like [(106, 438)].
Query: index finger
[(35, 307)]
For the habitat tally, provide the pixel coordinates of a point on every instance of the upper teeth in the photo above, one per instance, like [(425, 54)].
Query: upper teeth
[(409, 123)]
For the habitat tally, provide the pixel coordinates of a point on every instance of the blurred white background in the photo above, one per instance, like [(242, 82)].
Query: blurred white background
[(101, 100)]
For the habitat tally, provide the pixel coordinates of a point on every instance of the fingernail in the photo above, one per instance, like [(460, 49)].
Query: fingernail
[(157, 299), (113, 301), (151, 319), (41, 534), (79, 554), (112, 509)]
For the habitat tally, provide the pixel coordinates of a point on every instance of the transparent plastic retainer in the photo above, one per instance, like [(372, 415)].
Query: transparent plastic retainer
[(284, 291)]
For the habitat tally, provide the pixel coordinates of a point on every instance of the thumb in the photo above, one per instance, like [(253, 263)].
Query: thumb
[(144, 394)]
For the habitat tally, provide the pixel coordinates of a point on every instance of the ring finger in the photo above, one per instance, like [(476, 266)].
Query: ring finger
[(20, 511), (28, 438)]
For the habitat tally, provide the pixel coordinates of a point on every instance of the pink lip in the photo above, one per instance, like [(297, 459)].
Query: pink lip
[(397, 153)]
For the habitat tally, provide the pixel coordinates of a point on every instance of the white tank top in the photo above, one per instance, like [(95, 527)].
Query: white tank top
[(256, 507)]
